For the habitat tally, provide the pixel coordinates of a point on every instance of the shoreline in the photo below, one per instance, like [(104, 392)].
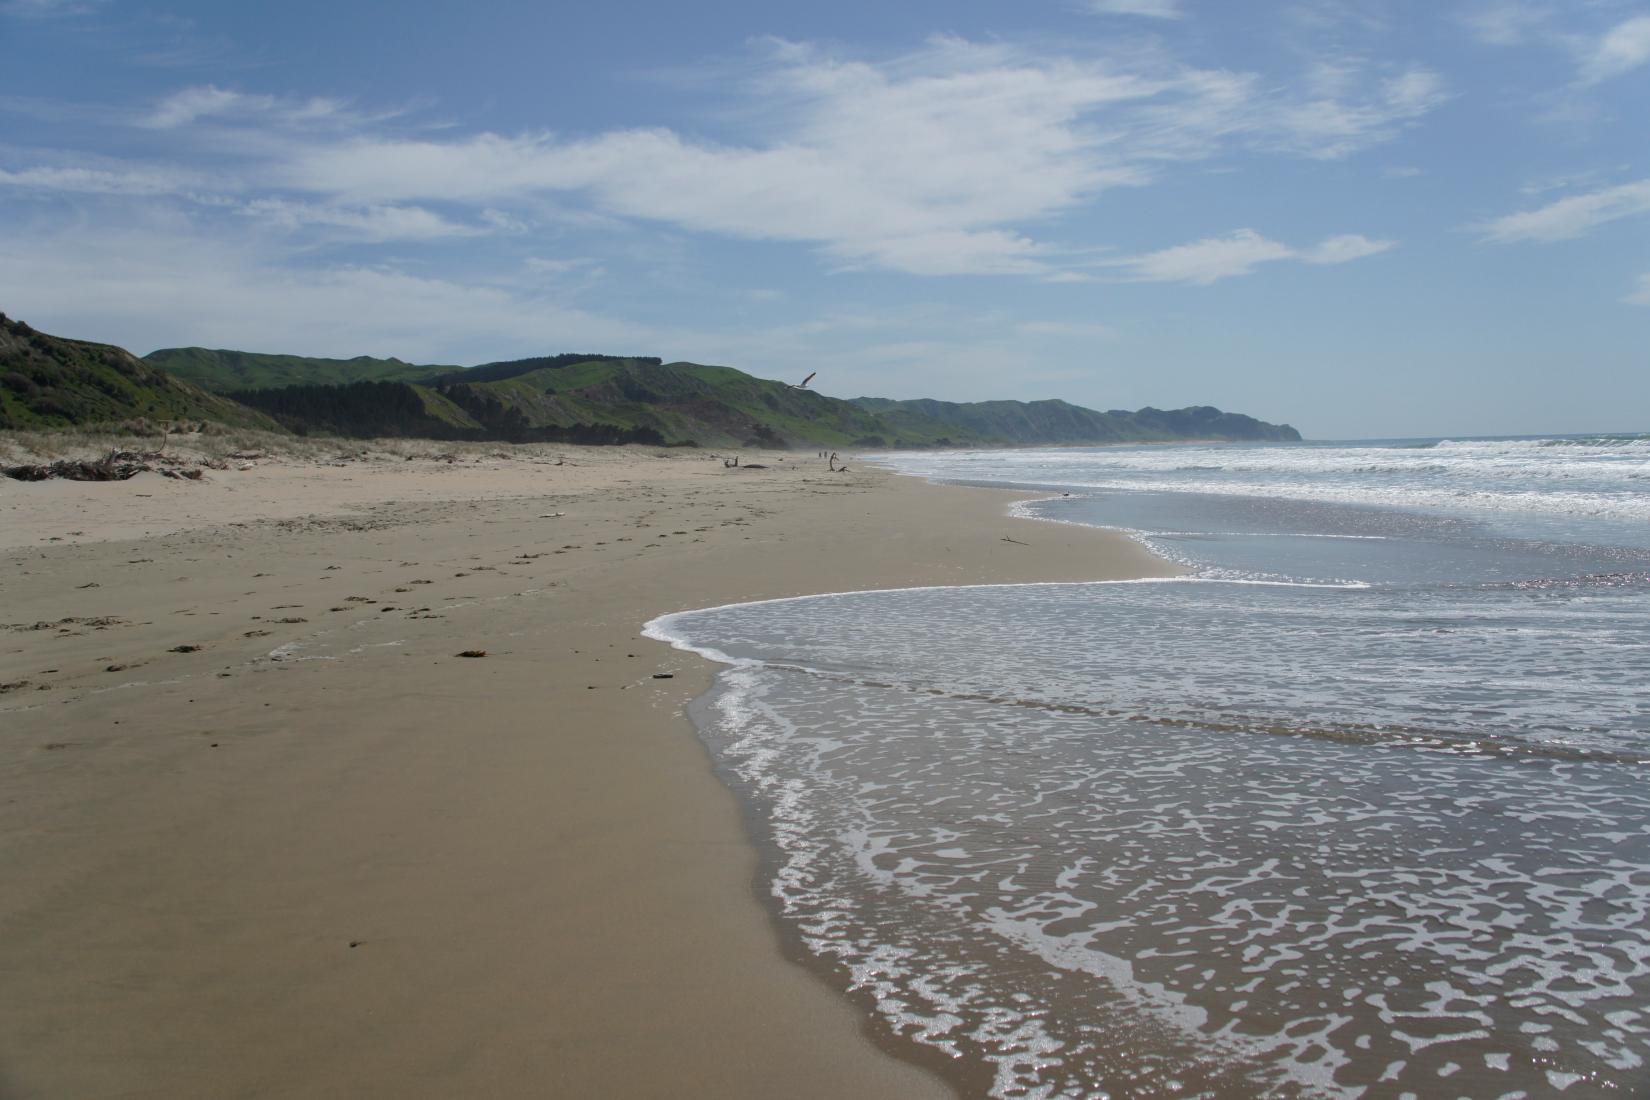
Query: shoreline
[(333, 856)]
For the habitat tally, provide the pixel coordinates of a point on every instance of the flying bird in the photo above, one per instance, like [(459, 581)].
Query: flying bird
[(804, 383)]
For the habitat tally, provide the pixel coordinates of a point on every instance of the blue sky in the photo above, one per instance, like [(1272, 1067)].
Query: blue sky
[(1364, 217)]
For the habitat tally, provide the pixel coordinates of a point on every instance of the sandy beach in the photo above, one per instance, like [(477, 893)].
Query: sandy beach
[(265, 833)]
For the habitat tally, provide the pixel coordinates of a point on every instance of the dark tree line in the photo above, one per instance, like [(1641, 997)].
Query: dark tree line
[(358, 409), (495, 372)]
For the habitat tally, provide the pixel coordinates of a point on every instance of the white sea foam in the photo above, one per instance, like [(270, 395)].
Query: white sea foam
[(1230, 833), (1191, 879), (1602, 479)]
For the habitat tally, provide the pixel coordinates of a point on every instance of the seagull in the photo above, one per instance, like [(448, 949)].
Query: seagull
[(804, 383)]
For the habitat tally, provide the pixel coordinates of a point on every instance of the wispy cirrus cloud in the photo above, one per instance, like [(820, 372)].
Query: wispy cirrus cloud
[(1572, 216), (167, 284), (1151, 9), (368, 223), (1335, 124), (1506, 24), (1599, 53), (1621, 49), (49, 9), (1237, 253), (99, 181), (1086, 330), (1640, 294), (1344, 248), (927, 165), (194, 104), (956, 158), (934, 163)]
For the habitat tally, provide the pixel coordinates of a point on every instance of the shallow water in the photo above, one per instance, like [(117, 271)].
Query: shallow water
[(1359, 809)]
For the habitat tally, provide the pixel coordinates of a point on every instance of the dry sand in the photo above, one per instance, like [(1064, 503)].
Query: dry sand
[(322, 855)]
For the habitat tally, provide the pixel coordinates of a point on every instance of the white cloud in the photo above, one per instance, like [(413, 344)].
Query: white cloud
[(95, 181), (923, 166), (1413, 92), (1640, 294), (933, 163), (955, 158), (184, 107), (502, 221), (373, 222), (190, 105), (48, 9), (546, 266), (1086, 330), (1344, 248), (161, 285), (1506, 24), (960, 252), (1239, 253), (1152, 9), (369, 223), (1598, 56), (565, 274), (1623, 47), (1203, 262), (1559, 181), (1334, 126), (1572, 216)]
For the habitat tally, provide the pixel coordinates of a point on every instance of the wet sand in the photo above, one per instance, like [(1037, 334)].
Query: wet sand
[(322, 854)]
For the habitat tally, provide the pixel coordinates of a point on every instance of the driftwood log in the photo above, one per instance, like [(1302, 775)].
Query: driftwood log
[(114, 466)]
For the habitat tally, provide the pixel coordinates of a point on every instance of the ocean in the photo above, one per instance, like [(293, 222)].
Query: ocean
[(1358, 807)]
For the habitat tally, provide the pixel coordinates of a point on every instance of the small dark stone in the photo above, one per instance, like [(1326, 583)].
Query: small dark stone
[(664, 676)]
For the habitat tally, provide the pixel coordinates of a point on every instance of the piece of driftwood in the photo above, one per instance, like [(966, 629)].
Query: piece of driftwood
[(114, 466)]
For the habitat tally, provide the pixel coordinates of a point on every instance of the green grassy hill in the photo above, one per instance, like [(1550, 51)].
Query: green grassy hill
[(595, 398), (577, 398), (50, 382), (223, 371), (1057, 422), (682, 402), (616, 399)]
